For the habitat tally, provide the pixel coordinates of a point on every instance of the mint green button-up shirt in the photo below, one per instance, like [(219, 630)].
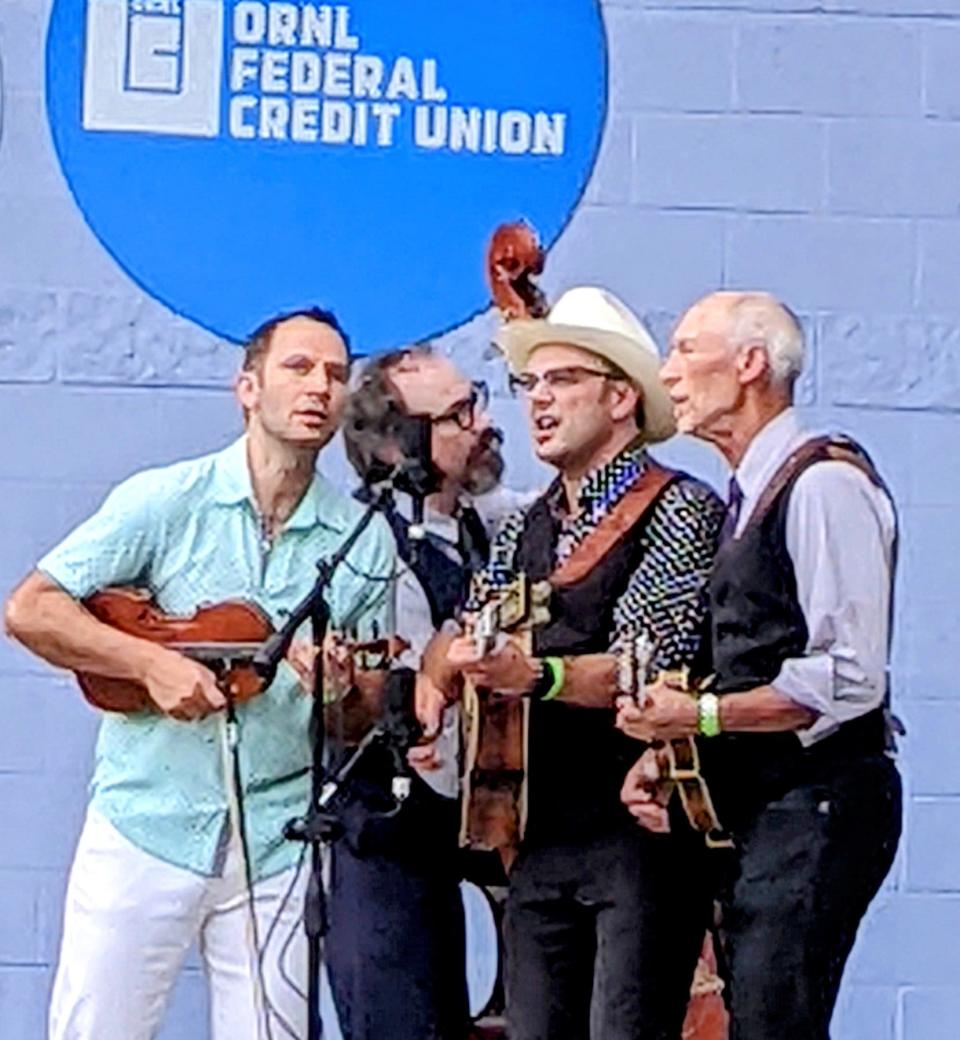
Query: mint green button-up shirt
[(190, 533)]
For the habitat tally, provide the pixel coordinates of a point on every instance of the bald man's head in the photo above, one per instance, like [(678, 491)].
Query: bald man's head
[(752, 318), (733, 356)]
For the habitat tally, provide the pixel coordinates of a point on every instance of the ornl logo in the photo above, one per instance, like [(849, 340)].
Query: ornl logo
[(153, 66), (242, 157)]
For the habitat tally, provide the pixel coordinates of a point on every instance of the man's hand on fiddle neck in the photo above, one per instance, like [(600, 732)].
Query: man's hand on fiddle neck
[(429, 704)]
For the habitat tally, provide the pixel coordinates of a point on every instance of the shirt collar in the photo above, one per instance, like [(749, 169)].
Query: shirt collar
[(231, 475), (232, 485), (768, 449), (596, 484)]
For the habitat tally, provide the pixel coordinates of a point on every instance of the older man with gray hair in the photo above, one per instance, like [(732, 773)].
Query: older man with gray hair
[(793, 737)]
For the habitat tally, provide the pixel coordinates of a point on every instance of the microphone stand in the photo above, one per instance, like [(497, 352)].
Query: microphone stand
[(320, 827)]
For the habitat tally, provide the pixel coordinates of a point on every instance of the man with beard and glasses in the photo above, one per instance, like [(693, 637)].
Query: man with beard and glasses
[(396, 944)]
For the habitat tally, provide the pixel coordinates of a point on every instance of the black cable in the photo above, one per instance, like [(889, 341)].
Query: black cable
[(382, 578), (233, 742), (297, 925)]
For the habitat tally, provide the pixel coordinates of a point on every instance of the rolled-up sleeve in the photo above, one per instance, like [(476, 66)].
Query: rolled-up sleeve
[(840, 531)]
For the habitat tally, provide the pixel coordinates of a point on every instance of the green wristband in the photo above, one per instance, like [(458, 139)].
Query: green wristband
[(708, 715), (557, 670)]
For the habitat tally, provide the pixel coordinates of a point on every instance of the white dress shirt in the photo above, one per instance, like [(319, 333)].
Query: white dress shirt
[(840, 535), (414, 621)]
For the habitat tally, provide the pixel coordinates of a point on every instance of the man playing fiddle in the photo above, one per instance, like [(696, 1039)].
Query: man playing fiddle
[(602, 929), (160, 862)]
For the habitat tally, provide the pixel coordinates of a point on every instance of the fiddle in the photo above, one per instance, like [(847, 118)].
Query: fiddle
[(354, 681), (224, 636)]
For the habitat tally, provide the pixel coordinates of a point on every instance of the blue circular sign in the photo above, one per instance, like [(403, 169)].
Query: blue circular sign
[(241, 158)]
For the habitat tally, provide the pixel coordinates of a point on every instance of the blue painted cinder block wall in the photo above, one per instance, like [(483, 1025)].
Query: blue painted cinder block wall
[(812, 148)]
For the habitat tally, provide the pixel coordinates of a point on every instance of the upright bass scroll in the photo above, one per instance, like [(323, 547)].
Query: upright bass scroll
[(514, 260)]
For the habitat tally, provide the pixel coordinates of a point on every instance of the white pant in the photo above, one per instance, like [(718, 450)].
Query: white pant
[(129, 921)]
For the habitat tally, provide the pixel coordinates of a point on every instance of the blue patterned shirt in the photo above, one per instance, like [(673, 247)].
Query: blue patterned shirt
[(666, 596), (190, 533)]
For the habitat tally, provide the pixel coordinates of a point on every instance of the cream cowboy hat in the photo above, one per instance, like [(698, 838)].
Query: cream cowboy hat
[(596, 321)]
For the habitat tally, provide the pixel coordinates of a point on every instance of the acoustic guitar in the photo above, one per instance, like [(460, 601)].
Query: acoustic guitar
[(495, 728)]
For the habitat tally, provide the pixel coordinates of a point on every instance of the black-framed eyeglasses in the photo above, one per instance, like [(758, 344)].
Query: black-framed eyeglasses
[(464, 413), (557, 378)]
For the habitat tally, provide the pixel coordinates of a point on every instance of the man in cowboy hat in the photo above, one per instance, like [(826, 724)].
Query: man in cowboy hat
[(794, 737), (603, 920)]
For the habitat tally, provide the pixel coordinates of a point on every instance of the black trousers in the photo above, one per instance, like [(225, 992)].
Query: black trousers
[(395, 945), (805, 870), (602, 936)]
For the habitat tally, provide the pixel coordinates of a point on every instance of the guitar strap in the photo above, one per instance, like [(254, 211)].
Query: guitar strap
[(679, 759), (618, 521), (837, 447)]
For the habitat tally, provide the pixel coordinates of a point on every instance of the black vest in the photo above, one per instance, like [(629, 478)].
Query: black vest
[(444, 581), (577, 759), (757, 624)]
